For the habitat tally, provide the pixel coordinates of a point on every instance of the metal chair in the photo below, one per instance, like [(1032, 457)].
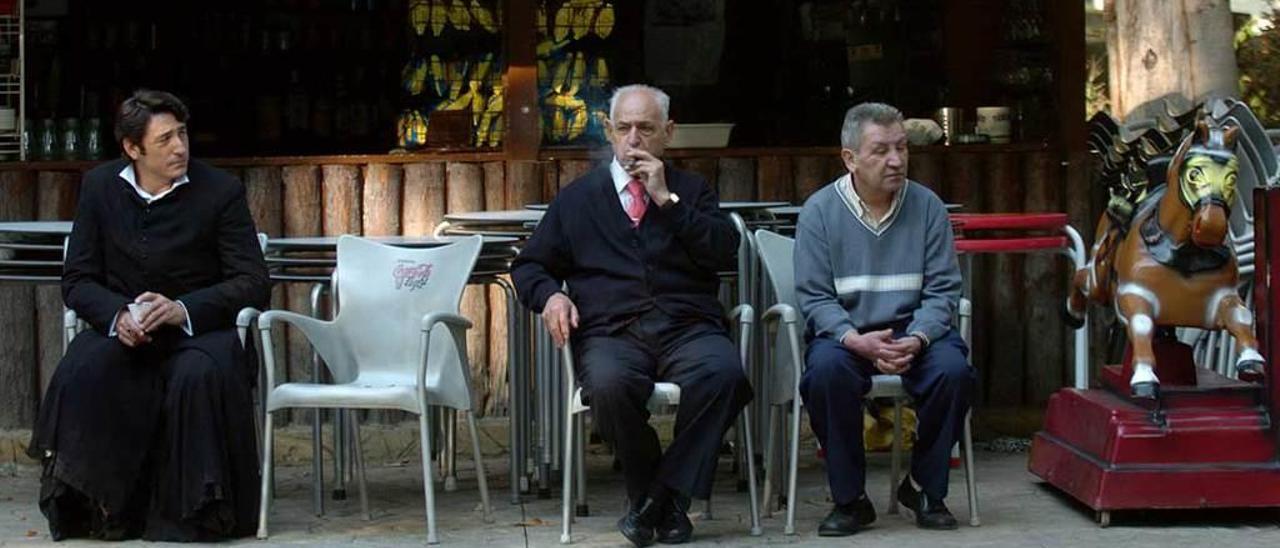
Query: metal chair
[(396, 342), (665, 394), (776, 253)]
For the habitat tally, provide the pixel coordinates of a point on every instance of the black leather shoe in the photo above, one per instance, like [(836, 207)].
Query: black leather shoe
[(930, 513), (639, 523), (847, 519), (675, 527)]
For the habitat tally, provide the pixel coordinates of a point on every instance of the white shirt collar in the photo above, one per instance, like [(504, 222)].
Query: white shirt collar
[(844, 187), (132, 178), (620, 176)]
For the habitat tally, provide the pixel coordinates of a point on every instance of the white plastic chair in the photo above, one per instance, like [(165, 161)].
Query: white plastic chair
[(776, 253), (665, 395), (396, 342)]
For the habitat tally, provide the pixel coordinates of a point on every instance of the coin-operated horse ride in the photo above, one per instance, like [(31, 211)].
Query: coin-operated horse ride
[(1158, 430)]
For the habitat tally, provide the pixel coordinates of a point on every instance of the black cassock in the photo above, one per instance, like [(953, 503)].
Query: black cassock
[(158, 440)]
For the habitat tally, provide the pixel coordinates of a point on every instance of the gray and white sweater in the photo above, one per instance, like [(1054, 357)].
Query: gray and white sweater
[(850, 276)]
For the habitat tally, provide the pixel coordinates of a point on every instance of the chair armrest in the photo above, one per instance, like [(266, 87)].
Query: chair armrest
[(430, 320), (458, 326), (244, 320), (320, 334), (782, 311), (786, 314), (70, 327), (745, 315)]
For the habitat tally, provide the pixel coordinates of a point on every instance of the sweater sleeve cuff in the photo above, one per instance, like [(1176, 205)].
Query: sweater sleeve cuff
[(846, 333)]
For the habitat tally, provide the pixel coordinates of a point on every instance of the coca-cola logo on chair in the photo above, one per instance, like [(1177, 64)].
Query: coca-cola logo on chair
[(412, 276)]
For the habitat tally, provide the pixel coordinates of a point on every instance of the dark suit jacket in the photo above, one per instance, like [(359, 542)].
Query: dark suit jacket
[(197, 245), (615, 272)]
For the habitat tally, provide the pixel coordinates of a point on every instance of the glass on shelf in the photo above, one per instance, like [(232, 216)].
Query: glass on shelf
[(28, 138), (91, 140), (70, 149), (48, 139)]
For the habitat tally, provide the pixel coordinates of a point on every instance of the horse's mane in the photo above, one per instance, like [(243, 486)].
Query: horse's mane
[(1132, 158)]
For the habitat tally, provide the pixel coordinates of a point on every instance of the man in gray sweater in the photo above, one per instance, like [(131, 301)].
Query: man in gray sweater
[(878, 282)]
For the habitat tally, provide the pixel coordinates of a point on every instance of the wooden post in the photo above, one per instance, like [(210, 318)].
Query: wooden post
[(962, 184), (464, 186), (1045, 278), (423, 206), (926, 168), (524, 184), (56, 193), (1005, 370), (737, 179), (19, 372), (773, 179), (495, 186), (706, 167), (263, 190), (302, 217), (523, 133), (570, 170), (341, 188), (265, 193), (809, 174), (550, 180), (495, 198), (382, 192)]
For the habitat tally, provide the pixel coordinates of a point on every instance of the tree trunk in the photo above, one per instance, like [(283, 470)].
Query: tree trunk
[(1180, 51)]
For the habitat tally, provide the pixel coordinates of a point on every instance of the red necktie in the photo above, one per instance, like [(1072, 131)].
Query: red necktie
[(636, 210)]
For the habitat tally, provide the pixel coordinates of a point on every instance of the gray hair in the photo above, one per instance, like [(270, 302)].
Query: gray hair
[(879, 114), (659, 96)]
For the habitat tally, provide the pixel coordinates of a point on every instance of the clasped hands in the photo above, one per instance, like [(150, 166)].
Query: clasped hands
[(160, 312), (891, 356)]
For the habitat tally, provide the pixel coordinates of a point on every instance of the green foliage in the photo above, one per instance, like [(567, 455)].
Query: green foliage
[(1258, 55), (1097, 95)]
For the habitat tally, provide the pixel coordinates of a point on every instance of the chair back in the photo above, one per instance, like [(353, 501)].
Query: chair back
[(776, 253), (383, 292)]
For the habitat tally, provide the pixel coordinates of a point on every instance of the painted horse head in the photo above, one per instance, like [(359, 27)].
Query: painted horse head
[(1202, 178)]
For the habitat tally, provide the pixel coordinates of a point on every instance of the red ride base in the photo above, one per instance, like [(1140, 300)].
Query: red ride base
[(1209, 446), (1213, 443)]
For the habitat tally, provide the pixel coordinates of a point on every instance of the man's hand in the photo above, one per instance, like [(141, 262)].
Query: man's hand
[(162, 312), (650, 171), (560, 317), (907, 349), (876, 345), (128, 331)]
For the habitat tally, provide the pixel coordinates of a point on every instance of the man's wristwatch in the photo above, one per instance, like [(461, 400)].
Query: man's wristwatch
[(672, 199)]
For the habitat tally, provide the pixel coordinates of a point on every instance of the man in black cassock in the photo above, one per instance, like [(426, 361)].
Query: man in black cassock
[(146, 428)]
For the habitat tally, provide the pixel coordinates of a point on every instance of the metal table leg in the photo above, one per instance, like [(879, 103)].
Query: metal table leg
[(516, 352)]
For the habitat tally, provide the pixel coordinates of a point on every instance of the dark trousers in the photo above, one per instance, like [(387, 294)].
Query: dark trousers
[(833, 386), (617, 373), (157, 440)]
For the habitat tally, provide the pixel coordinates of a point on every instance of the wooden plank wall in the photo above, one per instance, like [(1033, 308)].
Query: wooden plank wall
[(1022, 351)]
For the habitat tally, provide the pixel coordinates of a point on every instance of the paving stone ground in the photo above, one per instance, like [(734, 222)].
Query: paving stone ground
[(1017, 511)]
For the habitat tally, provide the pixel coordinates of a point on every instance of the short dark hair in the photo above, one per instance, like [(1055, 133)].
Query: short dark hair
[(136, 111)]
